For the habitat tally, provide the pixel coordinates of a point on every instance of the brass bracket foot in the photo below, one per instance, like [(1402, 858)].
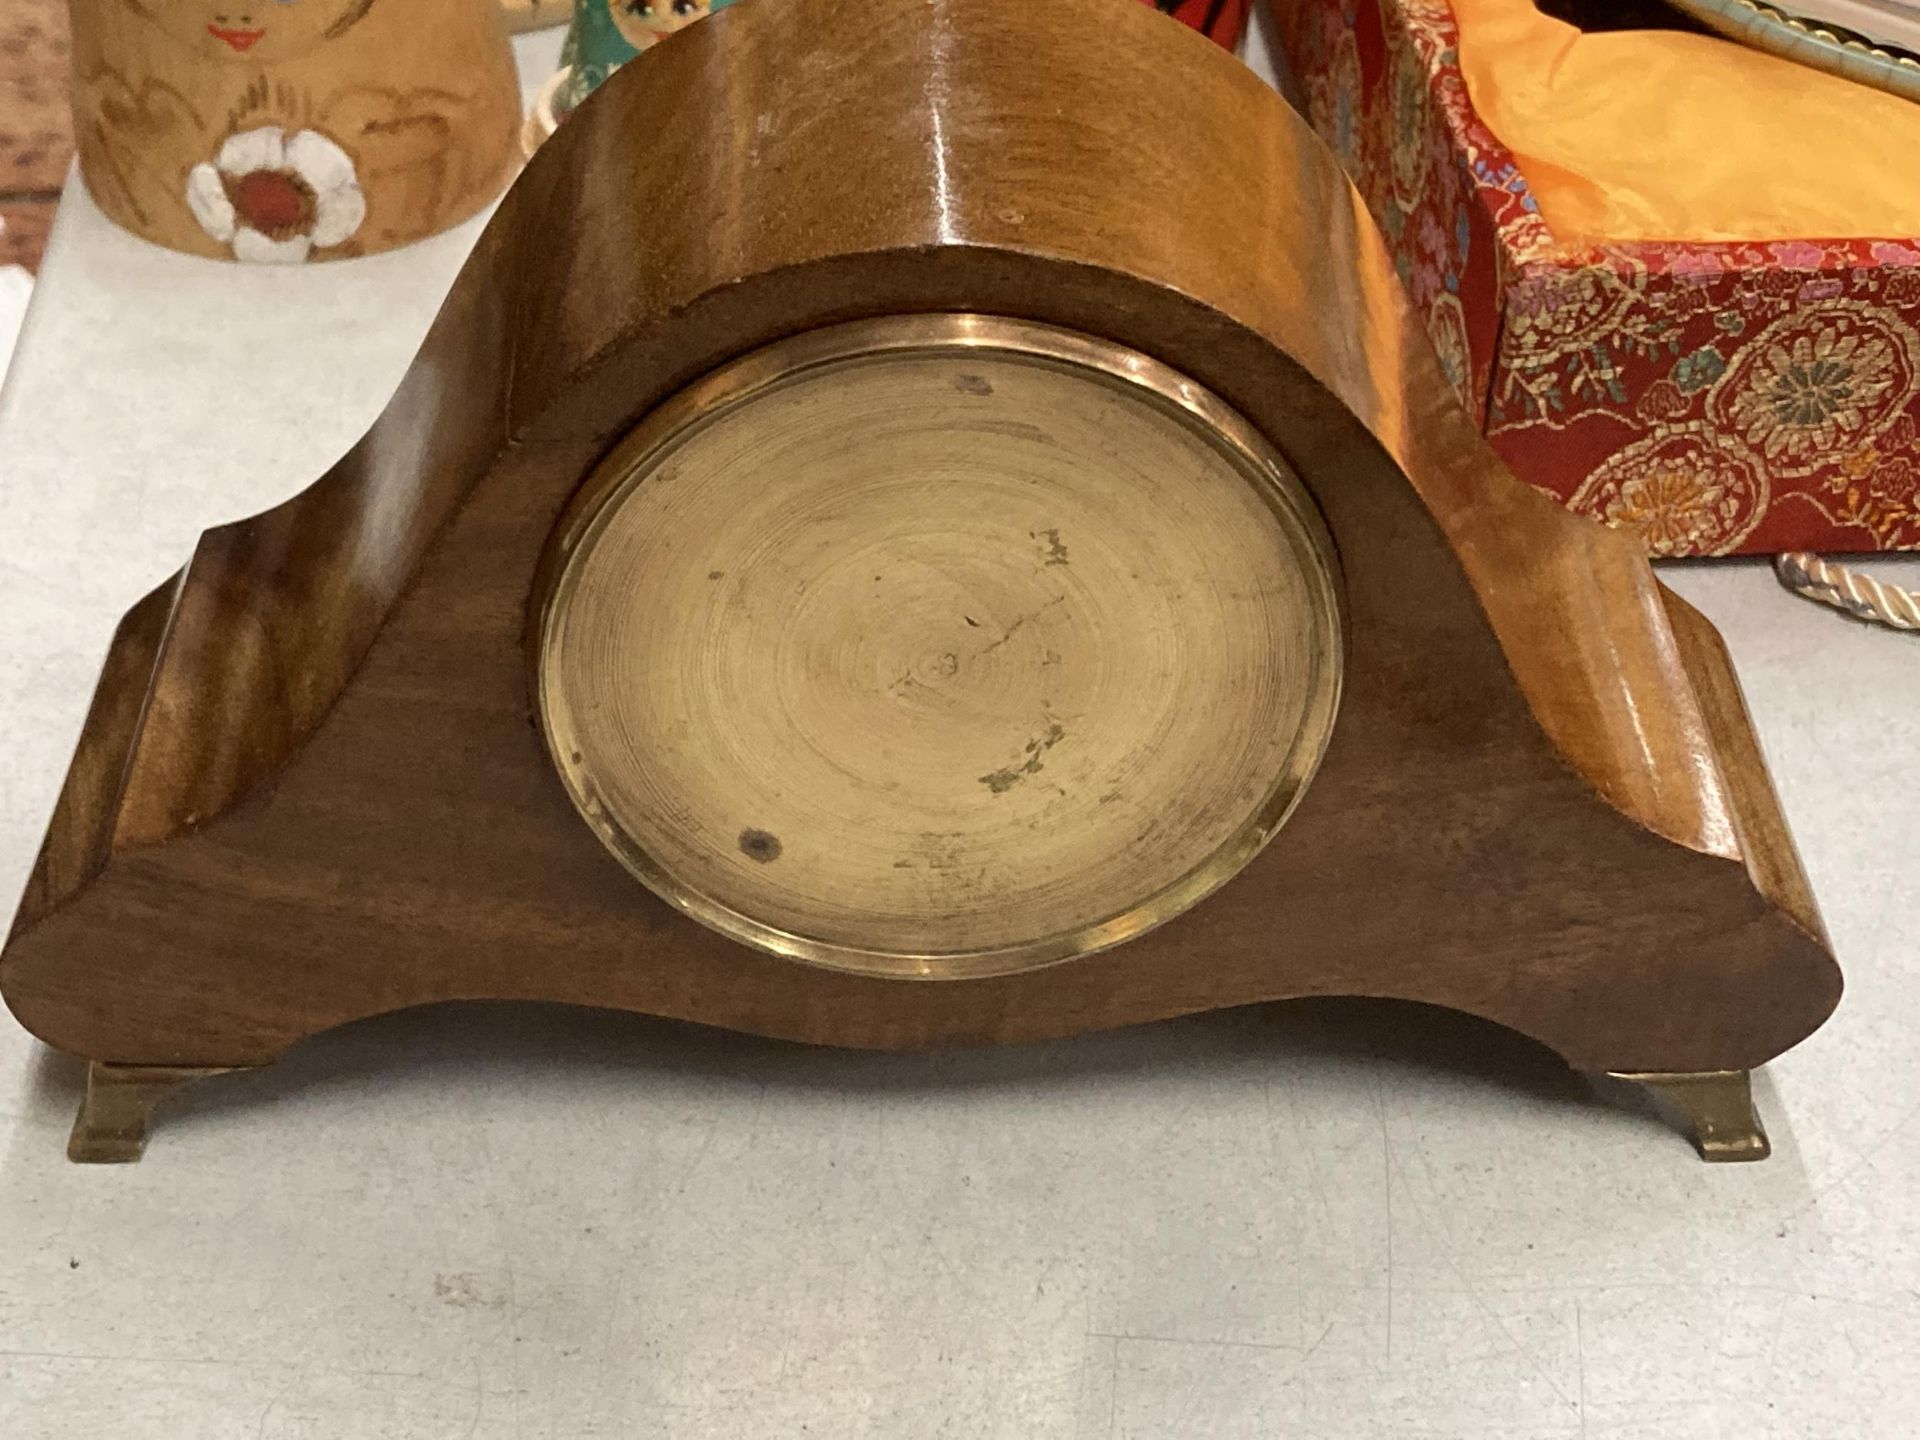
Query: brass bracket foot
[(1719, 1106), (115, 1113)]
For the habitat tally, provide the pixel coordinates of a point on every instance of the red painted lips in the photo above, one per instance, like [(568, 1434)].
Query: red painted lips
[(240, 40)]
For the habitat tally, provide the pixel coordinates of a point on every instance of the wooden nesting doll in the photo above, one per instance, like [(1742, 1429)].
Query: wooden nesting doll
[(643, 22), (292, 130)]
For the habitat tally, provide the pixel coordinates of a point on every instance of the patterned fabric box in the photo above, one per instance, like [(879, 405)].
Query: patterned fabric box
[(1719, 398)]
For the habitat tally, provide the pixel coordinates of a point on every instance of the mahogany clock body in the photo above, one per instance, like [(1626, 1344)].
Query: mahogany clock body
[(316, 784)]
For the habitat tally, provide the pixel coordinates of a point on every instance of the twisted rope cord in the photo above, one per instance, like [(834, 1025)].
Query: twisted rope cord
[(1859, 595)]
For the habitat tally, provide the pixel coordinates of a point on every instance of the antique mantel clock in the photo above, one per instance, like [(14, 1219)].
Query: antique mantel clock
[(920, 524)]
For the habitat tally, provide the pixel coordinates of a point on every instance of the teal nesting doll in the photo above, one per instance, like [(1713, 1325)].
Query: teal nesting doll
[(605, 34)]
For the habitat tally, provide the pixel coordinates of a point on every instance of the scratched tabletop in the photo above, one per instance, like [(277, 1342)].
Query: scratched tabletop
[(1330, 1219)]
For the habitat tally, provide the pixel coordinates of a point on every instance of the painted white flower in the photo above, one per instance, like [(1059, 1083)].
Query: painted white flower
[(276, 199)]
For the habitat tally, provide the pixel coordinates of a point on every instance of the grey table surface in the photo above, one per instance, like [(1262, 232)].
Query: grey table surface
[(1339, 1220)]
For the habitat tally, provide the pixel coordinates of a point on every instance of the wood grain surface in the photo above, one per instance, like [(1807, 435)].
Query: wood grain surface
[(312, 788), (36, 130)]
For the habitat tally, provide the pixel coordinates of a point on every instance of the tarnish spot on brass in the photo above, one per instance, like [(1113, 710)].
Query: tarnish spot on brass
[(1056, 551), (759, 845), (1001, 781), (1012, 430), (973, 384), (1014, 629)]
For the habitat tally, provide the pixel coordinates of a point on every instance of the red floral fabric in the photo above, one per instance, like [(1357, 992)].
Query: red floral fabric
[(1717, 398), (1218, 20)]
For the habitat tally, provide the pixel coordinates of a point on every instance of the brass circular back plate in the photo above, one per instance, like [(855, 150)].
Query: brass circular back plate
[(938, 646)]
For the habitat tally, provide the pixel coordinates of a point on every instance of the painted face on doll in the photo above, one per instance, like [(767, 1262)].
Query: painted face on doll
[(263, 31), (643, 22)]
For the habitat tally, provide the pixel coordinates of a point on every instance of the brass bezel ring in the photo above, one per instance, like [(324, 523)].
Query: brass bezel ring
[(682, 416)]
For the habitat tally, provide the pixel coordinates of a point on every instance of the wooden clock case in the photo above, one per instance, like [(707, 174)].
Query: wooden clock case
[(313, 787)]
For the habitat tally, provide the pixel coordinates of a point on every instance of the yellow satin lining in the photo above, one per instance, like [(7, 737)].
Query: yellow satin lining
[(1652, 135)]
